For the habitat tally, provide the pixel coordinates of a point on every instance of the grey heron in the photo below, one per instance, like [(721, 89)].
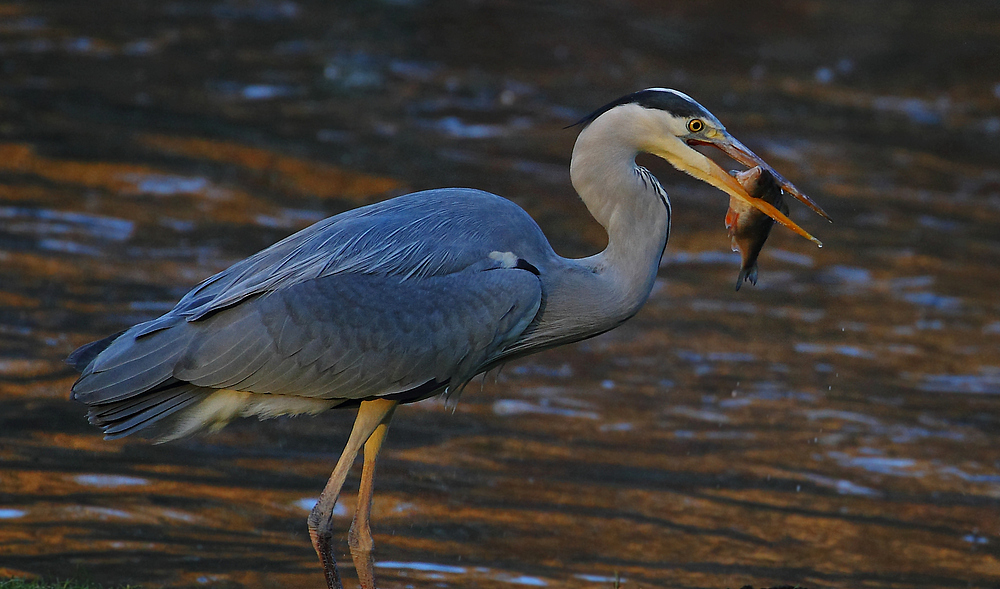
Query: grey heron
[(408, 298)]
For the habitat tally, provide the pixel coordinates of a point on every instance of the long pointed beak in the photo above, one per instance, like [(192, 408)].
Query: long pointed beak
[(710, 172), (741, 153)]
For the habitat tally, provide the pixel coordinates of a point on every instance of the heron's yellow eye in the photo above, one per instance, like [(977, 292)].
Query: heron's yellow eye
[(696, 125)]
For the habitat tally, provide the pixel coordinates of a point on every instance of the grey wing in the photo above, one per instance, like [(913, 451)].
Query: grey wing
[(342, 337), (362, 336), (362, 332)]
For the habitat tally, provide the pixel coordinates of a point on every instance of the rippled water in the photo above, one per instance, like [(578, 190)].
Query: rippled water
[(836, 426)]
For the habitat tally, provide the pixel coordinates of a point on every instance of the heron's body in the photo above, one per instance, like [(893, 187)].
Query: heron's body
[(400, 300)]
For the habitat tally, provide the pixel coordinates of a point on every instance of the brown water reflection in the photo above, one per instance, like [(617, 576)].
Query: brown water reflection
[(834, 427)]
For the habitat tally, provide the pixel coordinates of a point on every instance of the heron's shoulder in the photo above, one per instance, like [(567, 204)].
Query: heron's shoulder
[(462, 222)]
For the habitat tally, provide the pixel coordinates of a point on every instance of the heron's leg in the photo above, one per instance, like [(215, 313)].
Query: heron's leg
[(370, 415), (360, 536)]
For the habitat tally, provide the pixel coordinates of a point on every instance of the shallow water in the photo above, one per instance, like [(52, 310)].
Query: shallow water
[(836, 426)]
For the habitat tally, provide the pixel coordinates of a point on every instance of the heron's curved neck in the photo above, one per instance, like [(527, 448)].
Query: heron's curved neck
[(628, 202)]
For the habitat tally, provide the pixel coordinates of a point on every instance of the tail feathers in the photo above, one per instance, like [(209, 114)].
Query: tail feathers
[(748, 274)]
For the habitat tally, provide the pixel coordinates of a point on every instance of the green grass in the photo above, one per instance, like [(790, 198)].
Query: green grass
[(26, 584)]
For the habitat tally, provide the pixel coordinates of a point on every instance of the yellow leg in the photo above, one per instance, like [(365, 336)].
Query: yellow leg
[(370, 415), (360, 536)]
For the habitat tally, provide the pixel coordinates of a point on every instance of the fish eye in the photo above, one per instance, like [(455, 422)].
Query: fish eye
[(696, 125)]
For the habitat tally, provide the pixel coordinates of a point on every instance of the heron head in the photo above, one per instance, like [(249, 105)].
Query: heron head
[(673, 124)]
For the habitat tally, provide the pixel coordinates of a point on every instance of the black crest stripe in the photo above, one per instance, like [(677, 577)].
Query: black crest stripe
[(655, 98)]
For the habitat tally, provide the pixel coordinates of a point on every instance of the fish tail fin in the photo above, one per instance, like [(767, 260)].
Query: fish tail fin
[(747, 275)]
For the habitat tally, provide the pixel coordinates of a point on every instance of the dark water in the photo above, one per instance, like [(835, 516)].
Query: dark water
[(836, 426)]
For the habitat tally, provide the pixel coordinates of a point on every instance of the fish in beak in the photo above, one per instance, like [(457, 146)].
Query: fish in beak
[(739, 152), (749, 227)]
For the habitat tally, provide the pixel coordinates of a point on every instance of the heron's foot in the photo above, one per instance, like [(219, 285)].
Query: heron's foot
[(362, 547), (323, 543)]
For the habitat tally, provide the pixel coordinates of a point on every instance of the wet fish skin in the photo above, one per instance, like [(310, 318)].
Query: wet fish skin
[(748, 227)]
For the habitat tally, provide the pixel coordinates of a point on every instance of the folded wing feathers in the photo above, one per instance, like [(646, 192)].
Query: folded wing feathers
[(222, 354), (130, 367)]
